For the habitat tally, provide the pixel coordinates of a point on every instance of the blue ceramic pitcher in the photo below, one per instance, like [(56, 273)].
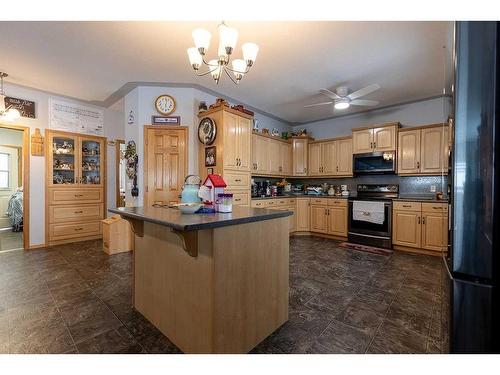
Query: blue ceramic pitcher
[(190, 189)]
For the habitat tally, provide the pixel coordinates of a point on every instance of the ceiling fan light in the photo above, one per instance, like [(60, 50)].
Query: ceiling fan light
[(250, 51), (195, 59), (228, 37), (342, 104), (201, 39)]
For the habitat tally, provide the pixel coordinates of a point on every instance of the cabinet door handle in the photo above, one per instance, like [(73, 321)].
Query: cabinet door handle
[(423, 220), (437, 208), (419, 219), (371, 144), (337, 168), (305, 170), (78, 195), (237, 180), (406, 206), (418, 165), (237, 199), (80, 228), (374, 144), (78, 212)]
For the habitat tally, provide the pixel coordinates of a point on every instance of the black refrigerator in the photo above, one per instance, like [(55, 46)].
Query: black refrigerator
[(471, 317)]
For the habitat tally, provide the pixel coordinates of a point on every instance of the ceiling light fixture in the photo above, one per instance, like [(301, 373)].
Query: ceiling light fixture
[(342, 104), (8, 114), (228, 37)]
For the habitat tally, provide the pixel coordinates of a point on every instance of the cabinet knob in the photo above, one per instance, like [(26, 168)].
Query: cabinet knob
[(418, 165)]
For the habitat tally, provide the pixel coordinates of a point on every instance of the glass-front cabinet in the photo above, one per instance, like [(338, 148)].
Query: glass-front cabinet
[(91, 161), (74, 160)]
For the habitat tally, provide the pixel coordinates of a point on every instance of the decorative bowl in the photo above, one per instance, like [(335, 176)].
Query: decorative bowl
[(189, 208)]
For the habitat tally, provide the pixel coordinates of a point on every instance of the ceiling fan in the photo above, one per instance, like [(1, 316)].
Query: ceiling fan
[(342, 99)]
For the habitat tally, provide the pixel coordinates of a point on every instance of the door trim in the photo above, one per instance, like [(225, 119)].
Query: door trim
[(145, 156), (118, 142), (26, 180)]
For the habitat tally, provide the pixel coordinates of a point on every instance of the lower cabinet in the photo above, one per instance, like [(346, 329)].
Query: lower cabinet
[(420, 225), (319, 222), (330, 218), (302, 215)]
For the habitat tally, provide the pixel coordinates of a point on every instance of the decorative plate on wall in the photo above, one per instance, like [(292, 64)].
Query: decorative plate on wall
[(207, 130)]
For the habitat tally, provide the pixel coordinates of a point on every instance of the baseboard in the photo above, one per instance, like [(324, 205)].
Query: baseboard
[(415, 250), (38, 246), (314, 234)]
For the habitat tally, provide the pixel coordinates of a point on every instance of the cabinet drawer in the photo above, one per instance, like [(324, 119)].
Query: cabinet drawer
[(71, 196), (320, 201), (285, 202), (271, 202), (237, 180), (337, 202), (240, 198), (407, 206), (259, 203), (63, 231), (435, 207), (63, 214)]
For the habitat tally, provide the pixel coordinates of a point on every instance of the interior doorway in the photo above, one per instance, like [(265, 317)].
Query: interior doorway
[(166, 161), (120, 172), (14, 187)]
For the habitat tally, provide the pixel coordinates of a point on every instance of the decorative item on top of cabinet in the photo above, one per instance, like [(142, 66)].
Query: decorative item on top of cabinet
[(75, 186), (331, 157), (234, 143), (37, 143), (423, 150), (375, 138)]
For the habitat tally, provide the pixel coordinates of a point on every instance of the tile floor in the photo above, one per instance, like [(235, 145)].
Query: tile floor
[(76, 299), (10, 240)]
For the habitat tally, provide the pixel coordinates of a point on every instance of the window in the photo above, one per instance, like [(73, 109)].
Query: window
[(4, 170)]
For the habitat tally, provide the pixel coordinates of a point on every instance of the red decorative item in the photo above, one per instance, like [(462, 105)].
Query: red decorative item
[(216, 184), (240, 108)]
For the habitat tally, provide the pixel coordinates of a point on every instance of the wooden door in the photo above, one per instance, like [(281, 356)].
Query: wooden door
[(244, 143), (166, 168), (432, 155), (406, 228), (315, 159), (231, 139), (318, 219), (300, 153), (384, 139), (337, 221), (260, 155), (434, 231), (362, 141), (286, 158), (344, 157), (409, 152), (274, 157), (302, 215), (329, 158)]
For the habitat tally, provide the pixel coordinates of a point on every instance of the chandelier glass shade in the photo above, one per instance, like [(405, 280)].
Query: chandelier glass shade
[(6, 113), (228, 38)]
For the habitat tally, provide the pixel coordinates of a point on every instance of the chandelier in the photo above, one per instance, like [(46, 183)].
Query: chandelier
[(7, 114), (228, 37)]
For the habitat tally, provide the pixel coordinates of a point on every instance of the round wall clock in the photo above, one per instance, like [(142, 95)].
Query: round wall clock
[(207, 130), (165, 104)]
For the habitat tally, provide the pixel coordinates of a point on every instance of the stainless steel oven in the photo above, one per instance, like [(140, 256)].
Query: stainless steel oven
[(374, 163), (369, 233)]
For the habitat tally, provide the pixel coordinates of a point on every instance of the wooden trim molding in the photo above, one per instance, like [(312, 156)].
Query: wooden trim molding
[(397, 124), (26, 180), (118, 142)]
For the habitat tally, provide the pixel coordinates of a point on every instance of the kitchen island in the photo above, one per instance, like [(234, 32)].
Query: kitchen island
[(211, 283)]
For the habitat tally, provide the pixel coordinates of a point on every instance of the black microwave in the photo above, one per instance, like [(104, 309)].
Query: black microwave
[(382, 162)]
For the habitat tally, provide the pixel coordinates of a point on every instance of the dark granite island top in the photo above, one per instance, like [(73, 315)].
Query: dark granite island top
[(173, 218)]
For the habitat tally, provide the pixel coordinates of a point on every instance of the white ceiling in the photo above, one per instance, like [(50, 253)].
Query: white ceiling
[(92, 60)]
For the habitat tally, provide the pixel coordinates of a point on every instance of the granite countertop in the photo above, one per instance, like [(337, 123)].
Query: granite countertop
[(173, 218), (402, 197)]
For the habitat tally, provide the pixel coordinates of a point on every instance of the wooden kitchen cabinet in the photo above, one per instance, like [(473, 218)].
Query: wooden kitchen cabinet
[(423, 150), (319, 221), (285, 149), (237, 142), (302, 215), (337, 220), (260, 155), (420, 225), (274, 157), (299, 156), (374, 139), (331, 158), (315, 159)]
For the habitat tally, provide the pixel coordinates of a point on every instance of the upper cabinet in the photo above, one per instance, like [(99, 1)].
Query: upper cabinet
[(75, 160), (423, 150), (331, 158), (299, 155), (237, 142), (271, 157), (379, 138)]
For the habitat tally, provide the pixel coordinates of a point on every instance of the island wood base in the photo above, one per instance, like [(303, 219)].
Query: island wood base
[(227, 298)]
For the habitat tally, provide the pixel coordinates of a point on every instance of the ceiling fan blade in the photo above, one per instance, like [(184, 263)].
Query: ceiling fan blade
[(317, 104), (329, 93), (369, 103), (364, 91)]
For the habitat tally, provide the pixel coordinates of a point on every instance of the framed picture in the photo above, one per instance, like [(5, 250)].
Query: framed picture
[(210, 171), (210, 156), (166, 120)]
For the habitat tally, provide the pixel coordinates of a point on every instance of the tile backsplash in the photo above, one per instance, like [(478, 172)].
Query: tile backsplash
[(408, 185)]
